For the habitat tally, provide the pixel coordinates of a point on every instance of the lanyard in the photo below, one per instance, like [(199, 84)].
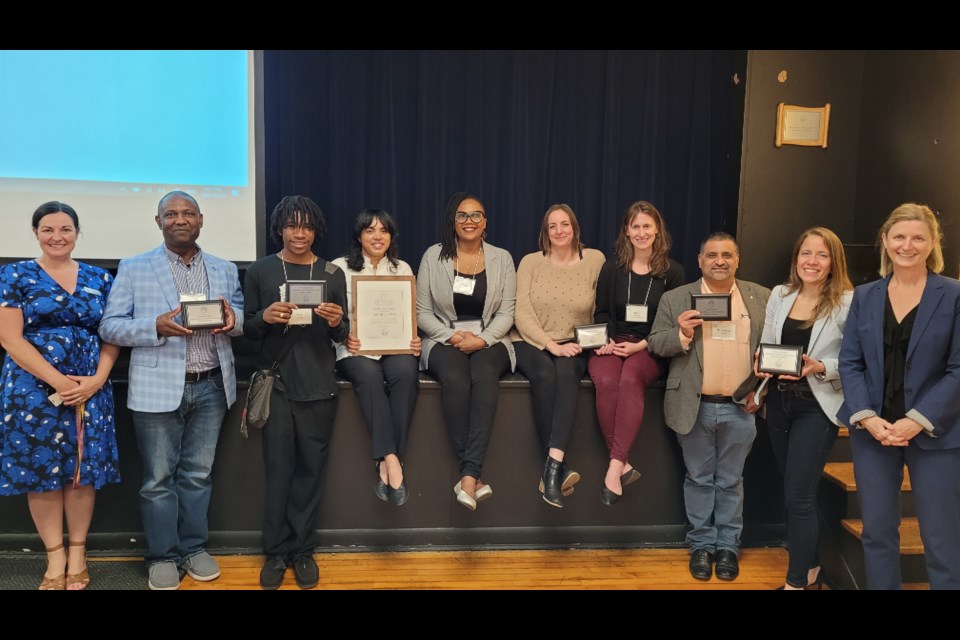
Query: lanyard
[(630, 282)]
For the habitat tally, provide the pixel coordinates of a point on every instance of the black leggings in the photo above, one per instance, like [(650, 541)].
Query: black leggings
[(470, 387), (554, 385), (801, 436)]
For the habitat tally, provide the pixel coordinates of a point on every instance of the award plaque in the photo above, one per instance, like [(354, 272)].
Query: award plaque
[(384, 314), (306, 294), (473, 326), (204, 314), (780, 358), (591, 336), (712, 306)]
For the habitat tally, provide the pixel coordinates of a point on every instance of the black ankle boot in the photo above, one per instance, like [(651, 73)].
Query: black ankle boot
[(552, 481)]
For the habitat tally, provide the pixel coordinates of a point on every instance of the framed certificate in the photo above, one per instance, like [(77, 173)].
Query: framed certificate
[(591, 336), (712, 306), (203, 314), (384, 314), (804, 126), (780, 358), (307, 294)]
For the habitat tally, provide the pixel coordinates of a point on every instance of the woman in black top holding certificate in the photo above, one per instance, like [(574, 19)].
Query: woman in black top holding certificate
[(466, 291), (304, 399), (808, 311), (628, 294)]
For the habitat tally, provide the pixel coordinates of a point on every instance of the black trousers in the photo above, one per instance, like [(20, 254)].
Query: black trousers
[(802, 436), (555, 384), (470, 387), (387, 409), (296, 439)]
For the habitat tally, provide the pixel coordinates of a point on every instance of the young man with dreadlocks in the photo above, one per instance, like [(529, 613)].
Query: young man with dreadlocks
[(304, 400)]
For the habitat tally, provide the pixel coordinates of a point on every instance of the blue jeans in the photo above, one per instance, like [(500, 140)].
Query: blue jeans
[(177, 448), (714, 452)]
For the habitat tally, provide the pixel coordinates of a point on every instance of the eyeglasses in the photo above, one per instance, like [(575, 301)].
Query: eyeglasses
[(473, 216)]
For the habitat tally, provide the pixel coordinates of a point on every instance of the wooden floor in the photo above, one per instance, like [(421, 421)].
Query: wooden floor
[(569, 569)]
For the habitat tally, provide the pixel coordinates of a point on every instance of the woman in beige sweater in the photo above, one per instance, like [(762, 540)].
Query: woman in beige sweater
[(555, 293)]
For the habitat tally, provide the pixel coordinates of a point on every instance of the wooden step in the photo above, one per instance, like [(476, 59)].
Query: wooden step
[(910, 543), (841, 473)]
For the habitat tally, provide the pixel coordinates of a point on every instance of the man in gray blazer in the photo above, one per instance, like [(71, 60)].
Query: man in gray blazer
[(709, 360)]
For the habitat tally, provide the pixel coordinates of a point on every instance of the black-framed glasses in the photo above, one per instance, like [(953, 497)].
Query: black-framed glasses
[(472, 216)]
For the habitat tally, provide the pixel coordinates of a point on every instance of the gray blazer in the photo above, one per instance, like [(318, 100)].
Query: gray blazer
[(681, 401), (825, 338), (435, 311)]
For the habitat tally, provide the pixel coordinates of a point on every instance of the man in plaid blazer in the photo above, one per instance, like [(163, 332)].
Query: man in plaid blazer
[(181, 383)]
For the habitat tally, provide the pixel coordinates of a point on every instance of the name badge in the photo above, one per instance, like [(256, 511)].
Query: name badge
[(636, 313), (192, 297), (301, 316), (723, 330), (92, 291), (463, 286)]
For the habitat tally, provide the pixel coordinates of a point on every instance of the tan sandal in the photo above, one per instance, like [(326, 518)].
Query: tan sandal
[(82, 578), (58, 583)]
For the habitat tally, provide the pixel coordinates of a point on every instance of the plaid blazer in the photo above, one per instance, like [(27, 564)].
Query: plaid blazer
[(144, 289)]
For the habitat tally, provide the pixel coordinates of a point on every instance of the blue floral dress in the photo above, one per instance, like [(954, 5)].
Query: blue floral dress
[(38, 441)]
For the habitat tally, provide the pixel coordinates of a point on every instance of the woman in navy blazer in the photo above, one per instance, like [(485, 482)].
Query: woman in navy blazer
[(809, 310), (900, 367)]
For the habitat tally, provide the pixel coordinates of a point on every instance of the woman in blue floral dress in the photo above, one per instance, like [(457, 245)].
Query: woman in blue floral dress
[(57, 438)]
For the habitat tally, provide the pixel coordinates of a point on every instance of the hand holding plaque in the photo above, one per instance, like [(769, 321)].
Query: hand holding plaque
[(203, 314), (591, 336), (306, 294), (780, 359), (713, 307)]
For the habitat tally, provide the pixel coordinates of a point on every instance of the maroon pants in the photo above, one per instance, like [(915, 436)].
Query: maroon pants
[(620, 385)]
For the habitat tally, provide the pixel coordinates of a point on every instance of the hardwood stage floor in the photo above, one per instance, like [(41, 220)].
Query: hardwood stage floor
[(553, 569)]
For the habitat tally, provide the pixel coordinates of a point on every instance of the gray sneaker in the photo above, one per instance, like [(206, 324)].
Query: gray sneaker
[(164, 576), (202, 567)]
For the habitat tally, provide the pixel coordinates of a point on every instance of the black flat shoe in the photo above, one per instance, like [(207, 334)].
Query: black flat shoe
[(400, 495), (629, 477), (381, 489), (271, 575), (306, 572), (608, 497)]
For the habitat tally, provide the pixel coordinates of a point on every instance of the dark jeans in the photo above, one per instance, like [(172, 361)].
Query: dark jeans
[(801, 436), (387, 409), (296, 439), (470, 387), (554, 386)]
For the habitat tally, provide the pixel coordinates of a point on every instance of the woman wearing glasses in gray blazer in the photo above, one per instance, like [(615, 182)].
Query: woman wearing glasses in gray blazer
[(466, 291)]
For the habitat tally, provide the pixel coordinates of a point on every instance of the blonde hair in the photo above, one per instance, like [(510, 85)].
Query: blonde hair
[(659, 257), (921, 213), (837, 282), (576, 244)]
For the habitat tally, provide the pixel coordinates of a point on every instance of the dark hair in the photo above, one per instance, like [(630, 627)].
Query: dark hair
[(719, 235), (177, 194), (55, 207), (576, 244), (448, 229), (297, 210), (659, 252), (364, 220)]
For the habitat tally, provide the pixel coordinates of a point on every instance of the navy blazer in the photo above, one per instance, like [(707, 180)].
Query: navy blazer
[(932, 377)]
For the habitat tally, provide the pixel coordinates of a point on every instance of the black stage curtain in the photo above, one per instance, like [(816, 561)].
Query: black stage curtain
[(403, 130)]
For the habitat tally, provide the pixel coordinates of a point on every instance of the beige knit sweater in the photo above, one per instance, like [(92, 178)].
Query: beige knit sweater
[(551, 300)]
